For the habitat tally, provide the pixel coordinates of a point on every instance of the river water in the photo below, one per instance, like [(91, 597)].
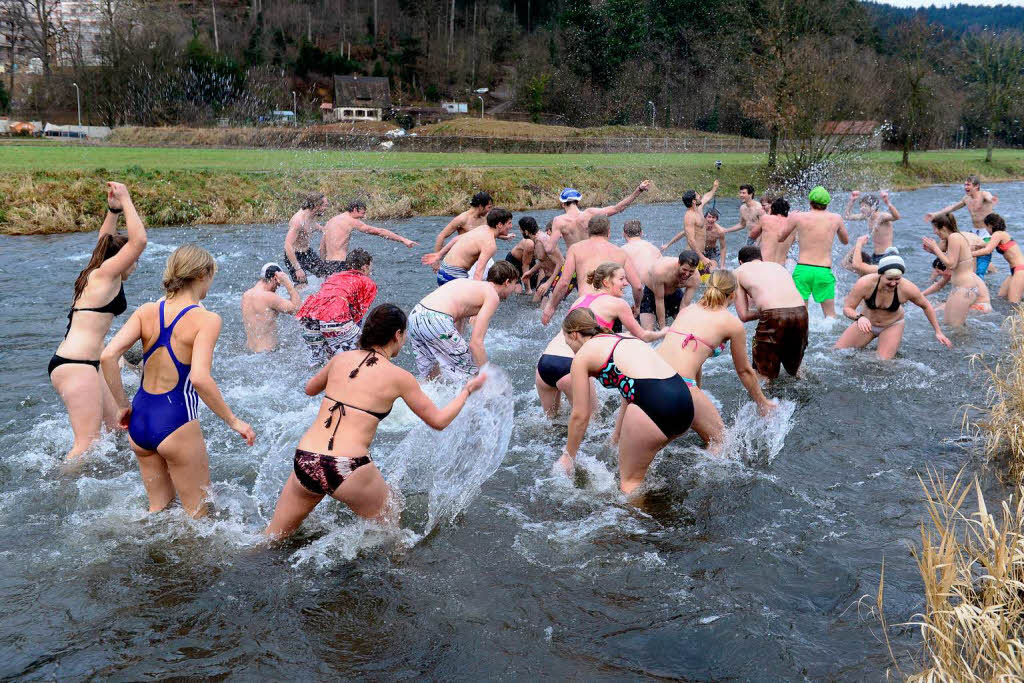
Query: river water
[(746, 567)]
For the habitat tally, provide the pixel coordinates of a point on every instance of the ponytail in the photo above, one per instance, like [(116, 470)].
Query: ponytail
[(582, 322), (597, 277), (721, 285), (107, 245)]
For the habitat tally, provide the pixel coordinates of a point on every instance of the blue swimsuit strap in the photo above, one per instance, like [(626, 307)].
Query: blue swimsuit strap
[(164, 340)]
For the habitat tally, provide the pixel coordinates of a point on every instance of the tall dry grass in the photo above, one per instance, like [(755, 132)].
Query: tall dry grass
[(999, 423), (972, 566)]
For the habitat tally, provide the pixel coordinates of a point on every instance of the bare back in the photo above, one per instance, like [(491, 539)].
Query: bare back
[(84, 338), (461, 298), (468, 248), (337, 234), (573, 226), (768, 285), (642, 253), (300, 230), (816, 231), (713, 326), (771, 248), (159, 372), (260, 319), (591, 253)]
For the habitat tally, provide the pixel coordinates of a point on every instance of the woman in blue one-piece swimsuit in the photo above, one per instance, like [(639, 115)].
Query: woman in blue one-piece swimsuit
[(178, 337)]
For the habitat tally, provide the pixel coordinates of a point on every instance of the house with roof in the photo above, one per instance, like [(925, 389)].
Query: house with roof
[(361, 98), (858, 132)]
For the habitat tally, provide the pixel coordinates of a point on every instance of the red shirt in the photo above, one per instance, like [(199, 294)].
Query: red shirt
[(343, 296)]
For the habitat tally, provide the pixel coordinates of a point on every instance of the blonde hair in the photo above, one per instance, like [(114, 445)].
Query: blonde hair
[(598, 276), (582, 321), (187, 264), (721, 285)]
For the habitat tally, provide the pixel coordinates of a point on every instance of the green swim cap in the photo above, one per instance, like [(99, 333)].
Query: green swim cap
[(819, 195)]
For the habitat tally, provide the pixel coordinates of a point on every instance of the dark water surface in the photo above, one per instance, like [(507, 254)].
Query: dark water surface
[(747, 567)]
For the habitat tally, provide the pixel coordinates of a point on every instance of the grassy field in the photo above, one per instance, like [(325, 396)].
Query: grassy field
[(57, 187)]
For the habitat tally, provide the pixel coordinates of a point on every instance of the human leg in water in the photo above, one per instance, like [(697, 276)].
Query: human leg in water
[(707, 422), (640, 440), (179, 465), (79, 387)]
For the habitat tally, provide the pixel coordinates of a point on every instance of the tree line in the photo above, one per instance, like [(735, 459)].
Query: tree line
[(779, 69)]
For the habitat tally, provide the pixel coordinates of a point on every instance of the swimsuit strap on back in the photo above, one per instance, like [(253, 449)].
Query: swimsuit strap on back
[(116, 306), (370, 359), (689, 336), (164, 339), (585, 303), (1005, 246)]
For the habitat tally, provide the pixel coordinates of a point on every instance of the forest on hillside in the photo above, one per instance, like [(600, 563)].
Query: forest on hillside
[(777, 69)]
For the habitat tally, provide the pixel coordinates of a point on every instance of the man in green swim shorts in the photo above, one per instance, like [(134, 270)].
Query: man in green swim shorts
[(816, 231)]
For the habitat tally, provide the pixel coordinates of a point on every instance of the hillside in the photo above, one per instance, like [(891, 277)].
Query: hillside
[(957, 18)]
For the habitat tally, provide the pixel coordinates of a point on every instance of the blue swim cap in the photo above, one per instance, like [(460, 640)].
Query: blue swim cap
[(569, 195)]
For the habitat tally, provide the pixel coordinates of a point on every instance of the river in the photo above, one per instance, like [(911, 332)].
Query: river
[(746, 567)]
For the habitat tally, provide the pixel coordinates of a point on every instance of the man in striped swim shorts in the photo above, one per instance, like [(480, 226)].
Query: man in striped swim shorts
[(436, 322)]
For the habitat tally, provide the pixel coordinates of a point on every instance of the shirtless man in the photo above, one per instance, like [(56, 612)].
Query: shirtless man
[(474, 248), (338, 232), (750, 213), (587, 255), (879, 222), (436, 323), (668, 286), (693, 225), (979, 203), (473, 217), (714, 239), (298, 255), (642, 253), (548, 262), (573, 224), (768, 230), (766, 293), (521, 255), (261, 305), (816, 231)]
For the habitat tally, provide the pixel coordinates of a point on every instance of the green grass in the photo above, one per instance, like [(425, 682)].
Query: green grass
[(74, 156)]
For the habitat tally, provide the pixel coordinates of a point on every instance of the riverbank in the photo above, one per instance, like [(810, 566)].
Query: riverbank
[(55, 189)]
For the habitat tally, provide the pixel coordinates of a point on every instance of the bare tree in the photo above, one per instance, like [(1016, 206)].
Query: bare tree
[(996, 72)]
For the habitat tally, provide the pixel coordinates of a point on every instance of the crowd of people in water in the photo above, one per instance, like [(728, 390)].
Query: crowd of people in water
[(352, 343)]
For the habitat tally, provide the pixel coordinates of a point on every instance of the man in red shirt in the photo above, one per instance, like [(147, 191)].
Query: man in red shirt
[(330, 318)]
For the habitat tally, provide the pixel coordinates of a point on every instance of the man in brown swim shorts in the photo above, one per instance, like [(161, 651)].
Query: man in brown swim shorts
[(766, 293)]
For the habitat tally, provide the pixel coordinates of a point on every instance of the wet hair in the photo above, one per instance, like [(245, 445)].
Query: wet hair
[(106, 246), (480, 199), (583, 322), (780, 207), (819, 207), (312, 200), (865, 257), (501, 272), (549, 225), (355, 204), (598, 276), (721, 285), (358, 258), (688, 257), (689, 197), (528, 224), (185, 265), (995, 221), (945, 220), (599, 225), (748, 188), (381, 324), (712, 212), (937, 264), (497, 216), (750, 252), (632, 229), (869, 199), (973, 180)]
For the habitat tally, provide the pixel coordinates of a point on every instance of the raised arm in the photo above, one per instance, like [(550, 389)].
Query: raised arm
[(109, 226), (848, 213), (483, 320), (895, 215), (293, 302), (382, 232), (425, 409), (710, 194), (622, 205), (118, 197), (202, 379), (125, 338)]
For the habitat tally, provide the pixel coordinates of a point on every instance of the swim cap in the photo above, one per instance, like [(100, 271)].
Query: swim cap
[(569, 195), (890, 262), (819, 195), (268, 270)]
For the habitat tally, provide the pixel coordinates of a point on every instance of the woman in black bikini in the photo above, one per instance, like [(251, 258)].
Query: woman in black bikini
[(658, 407), (99, 297), (333, 456), (883, 295)]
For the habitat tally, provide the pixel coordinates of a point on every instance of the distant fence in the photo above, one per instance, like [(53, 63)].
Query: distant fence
[(310, 138)]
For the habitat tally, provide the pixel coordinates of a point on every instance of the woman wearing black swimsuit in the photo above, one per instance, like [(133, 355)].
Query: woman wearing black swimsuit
[(332, 458), (99, 297), (883, 296), (657, 406)]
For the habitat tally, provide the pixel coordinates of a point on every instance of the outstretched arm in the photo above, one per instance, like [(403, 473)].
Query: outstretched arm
[(949, 209), (989, 247), (202, 379), (420, 404), (680, 235), (561, 289), (381, 232), (453, 226), (622, 205)]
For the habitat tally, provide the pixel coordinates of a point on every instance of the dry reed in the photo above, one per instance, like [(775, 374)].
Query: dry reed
[(1000, 422), (972, 565)]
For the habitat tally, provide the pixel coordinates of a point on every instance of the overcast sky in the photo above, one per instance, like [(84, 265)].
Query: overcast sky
[(942, 3)]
